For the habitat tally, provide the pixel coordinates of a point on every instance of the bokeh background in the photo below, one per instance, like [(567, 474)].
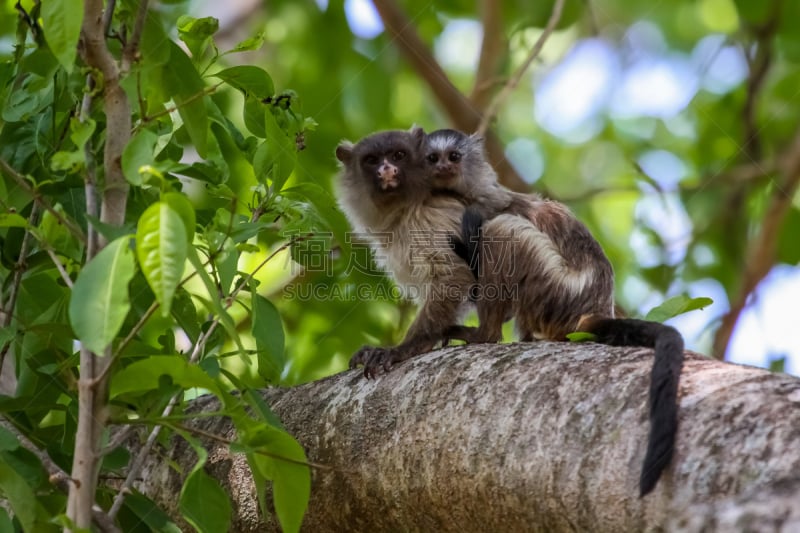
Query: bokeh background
[(663, 124), (670, 127)]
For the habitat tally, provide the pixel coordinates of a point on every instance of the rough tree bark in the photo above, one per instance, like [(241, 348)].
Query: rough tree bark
[(524, 437)]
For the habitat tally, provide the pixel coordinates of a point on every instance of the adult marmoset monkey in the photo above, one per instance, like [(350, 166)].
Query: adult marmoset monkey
[(384, 192), (563, 283)]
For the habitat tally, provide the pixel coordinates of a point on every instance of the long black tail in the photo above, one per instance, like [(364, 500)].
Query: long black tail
[(668, 345), (467, 245)]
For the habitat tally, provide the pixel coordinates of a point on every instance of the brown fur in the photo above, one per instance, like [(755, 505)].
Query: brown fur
[(399, 223), (548, 271)]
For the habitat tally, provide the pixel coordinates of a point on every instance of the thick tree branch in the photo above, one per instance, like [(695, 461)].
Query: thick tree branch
[(520, 437), (505, 92), (493, 48), (462, 114)]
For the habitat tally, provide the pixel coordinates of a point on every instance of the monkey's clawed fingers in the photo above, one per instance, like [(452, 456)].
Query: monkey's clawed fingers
[(374, 359)]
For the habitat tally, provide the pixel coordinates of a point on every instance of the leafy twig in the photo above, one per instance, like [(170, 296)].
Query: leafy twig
[(22, 182), (19, 270), (167, 110), (56, 476), (61, 270), (503, 95), (138, 461), (92, 396), (130, 53), (229, 442)]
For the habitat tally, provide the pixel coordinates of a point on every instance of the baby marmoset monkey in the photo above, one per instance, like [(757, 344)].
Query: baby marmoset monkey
[(548, 271), (384, 192)]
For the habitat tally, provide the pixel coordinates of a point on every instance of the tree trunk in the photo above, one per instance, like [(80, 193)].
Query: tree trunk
[(524, 437)]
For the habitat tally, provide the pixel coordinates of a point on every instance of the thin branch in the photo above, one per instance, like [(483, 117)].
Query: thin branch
[(90, 179), (503, 95), (493, 45), (762, 251), (20, 180), (758, 68), (130, 54), (92, 396), (594, 26), (56, 476), (19, 271), (140, 458), (167, 110), (459, 110), (228, 442), (61, 270), (197, 350)]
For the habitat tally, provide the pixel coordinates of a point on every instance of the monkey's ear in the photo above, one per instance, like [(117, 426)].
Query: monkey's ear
[(418, 134), (476, 138), (344, 152)]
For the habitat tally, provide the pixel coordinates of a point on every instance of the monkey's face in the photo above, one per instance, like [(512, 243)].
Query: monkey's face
[(388, 163), (445, 167), (444, 152), (386, 169)]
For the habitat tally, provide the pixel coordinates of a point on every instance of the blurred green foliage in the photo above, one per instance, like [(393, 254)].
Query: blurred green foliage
[(353, 86), (244, 164)]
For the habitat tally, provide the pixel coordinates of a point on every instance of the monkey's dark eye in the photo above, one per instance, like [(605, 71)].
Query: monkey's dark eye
[(433, 158), (371, 159), (454, 157), (399, 155)]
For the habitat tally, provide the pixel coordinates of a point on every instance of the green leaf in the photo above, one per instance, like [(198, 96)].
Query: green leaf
[(145, 375), (153, 46), (259, 407), (581, 336), (253, 115), (325, 207), (149, 514), (8, 441), (62, 21), (252, 81), (12, 220), (81, 132), (67, 161), (27, 509), (202, 501), (181, 205), (214, 304), (282, 153), (161, 246), (677, 306), (6, 525), (253, 43), (139, 152), (181, 79), (268, 332), (755, 13), (291, 482), (99, 301), (197, 32)]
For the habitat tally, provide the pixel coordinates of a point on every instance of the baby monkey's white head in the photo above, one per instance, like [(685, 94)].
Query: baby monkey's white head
[(456, 161)]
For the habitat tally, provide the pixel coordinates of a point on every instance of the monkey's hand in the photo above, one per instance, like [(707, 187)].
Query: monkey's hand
[(374, 359), (462, 333)]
